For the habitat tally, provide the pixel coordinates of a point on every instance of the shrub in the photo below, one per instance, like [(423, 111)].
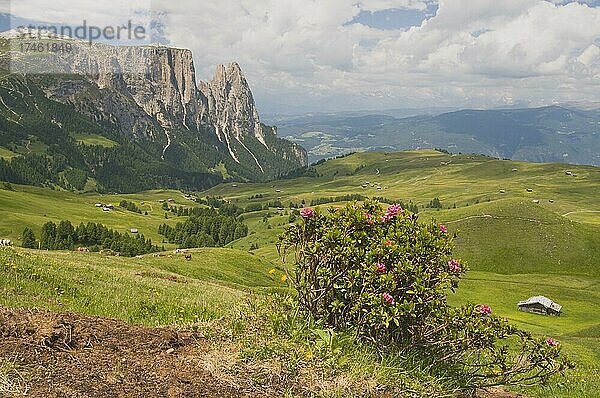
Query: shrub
[(435, 204), (253, 207), (125, 204), (292, 218), (384, 276), (8, 186)]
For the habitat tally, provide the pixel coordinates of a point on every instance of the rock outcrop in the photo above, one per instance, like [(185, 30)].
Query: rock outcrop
[(231, 107), (154, 95)]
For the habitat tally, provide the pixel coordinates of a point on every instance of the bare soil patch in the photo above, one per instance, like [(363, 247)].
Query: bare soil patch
[(71, 355), (79, 356)]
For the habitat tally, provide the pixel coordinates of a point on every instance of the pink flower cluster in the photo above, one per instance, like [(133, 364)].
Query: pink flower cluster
[(381, 268), (443, 229), (388, 298), (391, 212), (369, 219), (454, 266), (307, 212), (551, 342), (485, 309)]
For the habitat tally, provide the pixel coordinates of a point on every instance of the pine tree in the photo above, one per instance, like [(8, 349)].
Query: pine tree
[(48, 235), (28, 238)]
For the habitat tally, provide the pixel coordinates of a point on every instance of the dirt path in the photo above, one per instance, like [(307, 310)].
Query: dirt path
[(69, 355), (580, 211)]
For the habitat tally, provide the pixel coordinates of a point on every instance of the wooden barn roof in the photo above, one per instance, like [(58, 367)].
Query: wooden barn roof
[(546, 302)]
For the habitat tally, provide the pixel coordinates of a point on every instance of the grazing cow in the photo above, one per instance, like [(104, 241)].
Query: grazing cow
[(5, 242), (188, 256)]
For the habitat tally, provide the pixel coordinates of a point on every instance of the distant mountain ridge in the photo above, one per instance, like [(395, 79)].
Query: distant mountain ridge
[(169, 130), (547, 134)]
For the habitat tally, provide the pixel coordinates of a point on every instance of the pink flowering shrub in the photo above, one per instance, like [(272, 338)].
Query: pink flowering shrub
[(307, 212), (388, 298), (454, 266), (384, 276), (391, 213), (381, 268), (485, 309)]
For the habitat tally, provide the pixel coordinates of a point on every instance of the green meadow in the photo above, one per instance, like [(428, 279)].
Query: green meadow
[(517, 243), (148, 290), (523, 229), (7, 154), (95, 140), (27, 206)]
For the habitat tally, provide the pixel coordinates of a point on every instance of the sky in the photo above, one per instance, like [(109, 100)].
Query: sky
[(333, 55)]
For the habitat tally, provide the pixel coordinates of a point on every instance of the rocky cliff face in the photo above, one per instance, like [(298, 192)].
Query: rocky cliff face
[(231, 108), (151, 93), (168, 91), (232, 112)]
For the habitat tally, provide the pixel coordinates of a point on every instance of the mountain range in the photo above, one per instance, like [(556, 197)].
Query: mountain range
[(546, 134), (118, 118), (123, 118)]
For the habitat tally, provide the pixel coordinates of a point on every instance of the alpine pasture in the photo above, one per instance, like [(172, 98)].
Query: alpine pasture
[(525, 229)]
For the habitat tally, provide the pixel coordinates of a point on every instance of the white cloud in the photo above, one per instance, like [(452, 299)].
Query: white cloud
[(378, 5), (471, 53), (105, 13), (591, 56)]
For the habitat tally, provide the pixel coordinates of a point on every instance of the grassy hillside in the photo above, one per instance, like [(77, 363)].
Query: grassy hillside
[(497, 216), (95, 139), (422, 175), (7, 154), (515, 236), (32, 207), (577, 328), (515, 247), (148, 290)]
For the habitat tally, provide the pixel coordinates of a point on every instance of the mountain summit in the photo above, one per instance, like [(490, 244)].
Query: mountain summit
[(146, 105)]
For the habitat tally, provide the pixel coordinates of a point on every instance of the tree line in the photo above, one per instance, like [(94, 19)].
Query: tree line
[(205, 227), (94, 236), (412, 207), (127, 205)]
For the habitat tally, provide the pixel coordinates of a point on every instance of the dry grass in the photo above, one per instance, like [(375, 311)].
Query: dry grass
[(12, 379), (263, 352)]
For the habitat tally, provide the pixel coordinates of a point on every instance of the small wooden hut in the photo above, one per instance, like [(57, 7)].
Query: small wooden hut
[(540, 305)]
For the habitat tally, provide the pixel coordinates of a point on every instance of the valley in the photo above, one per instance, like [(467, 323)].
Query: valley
[(566, 134)]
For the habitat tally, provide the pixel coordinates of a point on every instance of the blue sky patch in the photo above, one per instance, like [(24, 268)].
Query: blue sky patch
[(394, 18), (591, 3)]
